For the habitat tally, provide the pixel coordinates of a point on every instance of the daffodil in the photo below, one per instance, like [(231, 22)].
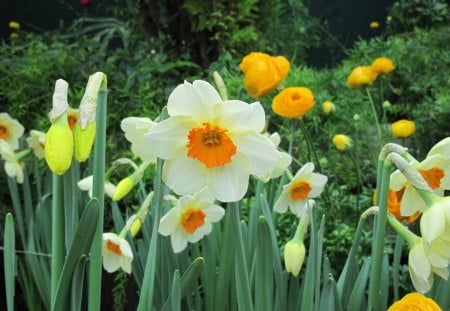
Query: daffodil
[(342, 142), (415, 302), (394, 200), (13, 163), (305, 185), (72, 117), (293, 102), (442, 148), (207, 142), (134, 222), (283, 162), (435, 220), (116, 253), (263, 73), (10, 130), (126, 184), (36, 141), (135, 130), (87, 184), (190, 219), (403, 128), (435, 170)]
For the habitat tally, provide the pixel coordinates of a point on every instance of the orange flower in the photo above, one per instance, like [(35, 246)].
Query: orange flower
[(415, 301), (360, 76), (263, 73), (403, 128), (382, 65), (293, 102), (394, 199)]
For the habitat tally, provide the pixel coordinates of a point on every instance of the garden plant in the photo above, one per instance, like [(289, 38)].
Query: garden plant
[(228, 176)]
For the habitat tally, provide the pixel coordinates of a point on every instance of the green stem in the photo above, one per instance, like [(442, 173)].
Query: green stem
[(291, 136), (375, 115), (379, 237), (57, 234), (98, 191), (407, 234), (358, 176)]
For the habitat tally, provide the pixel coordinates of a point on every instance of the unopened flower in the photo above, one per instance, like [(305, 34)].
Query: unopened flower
[(342, 142), (14, 25), (382, 65), (263, 73), (305, 185), (415, 302), (13, 165), (10, 130), (116, 253), (374, 25), (190, 220), (87, 184), (36, 141), (207, 142), (294, 255), (403, 128), (126, 184), (328, 107), (293, 102), (361, 76), (135, 130)]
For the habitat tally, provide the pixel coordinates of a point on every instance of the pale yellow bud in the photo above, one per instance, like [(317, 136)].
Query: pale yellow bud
[(84, 140), (294, 255), (135, 227), (123, 188), (59, 146)]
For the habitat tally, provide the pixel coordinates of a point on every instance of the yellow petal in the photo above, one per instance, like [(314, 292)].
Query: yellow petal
[(59, 146), (84, 140)]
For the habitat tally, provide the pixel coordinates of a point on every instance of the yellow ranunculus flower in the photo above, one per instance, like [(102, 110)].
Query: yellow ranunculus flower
[(360, 76), (403, 128), (59, 146), (263, 73), (382, 65), (415, 301), (342, 142), (293, 102), (328, 107), (14, 25), (374, 24)]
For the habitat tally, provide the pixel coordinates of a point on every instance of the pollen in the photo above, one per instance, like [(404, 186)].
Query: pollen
[(210, 145), (300, 191), (192, 219), (113, 247), (433, 176), (3, 132)]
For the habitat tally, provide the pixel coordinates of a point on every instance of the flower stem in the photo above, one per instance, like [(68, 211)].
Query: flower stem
[(57, 234), (358, 176), (372, 105)]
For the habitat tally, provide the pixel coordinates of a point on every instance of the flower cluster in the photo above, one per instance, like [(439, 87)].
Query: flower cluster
[(366, 75)]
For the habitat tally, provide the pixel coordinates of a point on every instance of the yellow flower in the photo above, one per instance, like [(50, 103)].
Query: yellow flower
[(415, 302), (305, 185), (294, 255), (36, 141), (382, 65), (293, 102), (84, 140), (403, 128), (342, 142), (123, 188), (207, 142), (360, 76), (374, 24), (14, 25), (59, 146), (263, 73), (14, 35), (10, 130), (328, 107)]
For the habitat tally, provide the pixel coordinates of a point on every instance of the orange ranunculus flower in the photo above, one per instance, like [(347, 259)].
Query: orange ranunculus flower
[(415, 302), (403, 128), (382, 65), (360, 76), (394, 200), (263, 73), (293, 102)]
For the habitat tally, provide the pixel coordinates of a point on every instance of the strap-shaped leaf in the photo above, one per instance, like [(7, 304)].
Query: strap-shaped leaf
[(9, 261), (81, 245)]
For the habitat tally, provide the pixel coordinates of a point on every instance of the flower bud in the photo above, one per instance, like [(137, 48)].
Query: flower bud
[(59, 146), (403, 128), (123, 188), (294, 255), (342, 142)]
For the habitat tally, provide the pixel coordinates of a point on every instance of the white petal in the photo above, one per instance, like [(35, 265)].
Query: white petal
[(238, 116), (169, 137), (110, 189), (298, 207), (196, 100), (260, 152), (179, 240), (281, 205), (214, 213), (125, 264), (418, 262), (397, 180), (304, 170), (86, 183), (169, 223), (111, 262), (229, 183), (432, 223), (442, 147), (184, 175), (126, 249), (317, 183), (411, 202)]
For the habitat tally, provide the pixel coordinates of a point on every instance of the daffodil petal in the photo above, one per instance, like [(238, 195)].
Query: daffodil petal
[(281, 205), (169, 222), (397, 180), (110, 262), (442, 147), (411, 202), (317, 183), (432, 223), (184, 175), (242, 117), (214, 212), (178, 240)]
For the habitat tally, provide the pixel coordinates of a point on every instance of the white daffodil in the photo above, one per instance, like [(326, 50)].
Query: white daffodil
[(135, 130), (305, 185), (190, 220), (36, 141), (87, 184), (284, 160), (435, 220), (442, 147), (116, 253), (435, 169), (13, 166), (210, 142), (10, 130)]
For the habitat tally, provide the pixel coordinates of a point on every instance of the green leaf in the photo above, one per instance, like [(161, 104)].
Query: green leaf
[(80, 247), (358, 293), (264, 267), (176, 291), (9, 261), (329, 299)]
